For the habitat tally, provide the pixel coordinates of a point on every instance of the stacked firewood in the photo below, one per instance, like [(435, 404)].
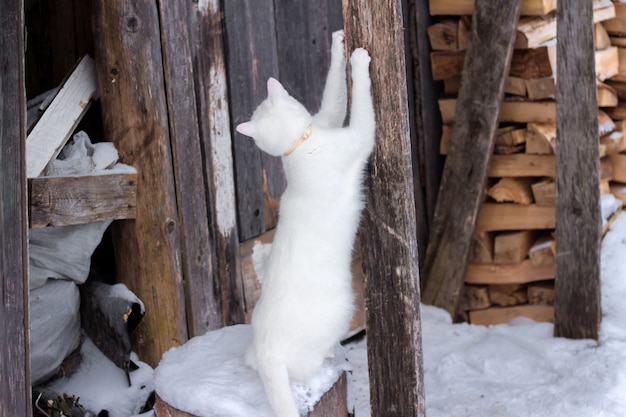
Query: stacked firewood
[(511, 267)]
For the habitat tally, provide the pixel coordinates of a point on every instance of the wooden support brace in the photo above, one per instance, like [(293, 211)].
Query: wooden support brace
[(389, 239), (471, 146), (578, 223)]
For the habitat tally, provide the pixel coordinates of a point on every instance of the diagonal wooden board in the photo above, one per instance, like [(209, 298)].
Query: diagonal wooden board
[(471, 145), (578, 222), (57, 124)]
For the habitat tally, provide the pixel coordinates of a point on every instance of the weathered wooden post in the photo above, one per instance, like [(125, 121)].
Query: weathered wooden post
[(389, 233), (15, 393), (130, 71), (578, 224), (485, 70)]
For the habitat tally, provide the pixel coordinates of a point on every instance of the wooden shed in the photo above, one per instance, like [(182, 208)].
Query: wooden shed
[(174, 78)]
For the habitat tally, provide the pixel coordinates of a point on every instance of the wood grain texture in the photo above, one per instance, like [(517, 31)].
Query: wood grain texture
[(389, 235), (15, 392), (64, 201), (135, 118), (217, 148), (517, 273), (251, 59), (471, 145), (203, 302), (578, 223)]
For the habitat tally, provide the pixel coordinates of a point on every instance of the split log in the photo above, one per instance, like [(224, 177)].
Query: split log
[(601, 39), (512, 190), (509, 136), (58, 122), (618, 162), (621, 57), (506, 216), (605, 187), (605, 124), (521, 165), (64, 201), (471, 145), (613, 143), (516, 86), (466, 7), (617, 25), (606, 168), (541, 293), (544, 192), (481, 250), (15, 390), (534, 63), (618, 87), (513, 247), (519, 273), (609, 63), (541, 138), (618, 112), (443, 36), (506, 295), (618, 190), (501, 315), (474, 297), (607, 95), (577, 304), (540, 88), (541, 251), (535, 31)]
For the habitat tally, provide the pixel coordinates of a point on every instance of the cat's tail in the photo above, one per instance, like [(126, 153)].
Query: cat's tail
[(276, 383)]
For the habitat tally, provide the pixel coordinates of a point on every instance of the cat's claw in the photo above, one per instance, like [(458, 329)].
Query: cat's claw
[(338, 49), (339, 36), (360, 57)]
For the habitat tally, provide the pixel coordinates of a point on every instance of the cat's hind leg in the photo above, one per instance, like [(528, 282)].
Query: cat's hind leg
[(335, 97), (275, 380)]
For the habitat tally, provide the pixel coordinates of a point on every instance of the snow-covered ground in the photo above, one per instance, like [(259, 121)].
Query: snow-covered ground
[(511, 370), (519, 369)]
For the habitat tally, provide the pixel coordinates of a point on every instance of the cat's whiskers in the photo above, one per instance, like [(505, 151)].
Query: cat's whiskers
[(300, 141)]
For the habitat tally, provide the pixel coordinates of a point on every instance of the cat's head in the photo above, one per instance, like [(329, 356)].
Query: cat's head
[(278, 122)]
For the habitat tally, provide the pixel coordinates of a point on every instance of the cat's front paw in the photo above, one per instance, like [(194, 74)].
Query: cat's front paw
[(338, 49), (360, 58)]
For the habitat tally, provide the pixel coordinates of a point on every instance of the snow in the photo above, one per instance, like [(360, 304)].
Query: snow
[(510, 370), (207, 377), (519, 369)]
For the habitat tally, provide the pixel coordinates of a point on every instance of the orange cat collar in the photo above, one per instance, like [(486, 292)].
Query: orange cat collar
[(305, 136)]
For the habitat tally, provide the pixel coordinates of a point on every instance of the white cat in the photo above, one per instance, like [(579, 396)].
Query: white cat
[(306, 301)]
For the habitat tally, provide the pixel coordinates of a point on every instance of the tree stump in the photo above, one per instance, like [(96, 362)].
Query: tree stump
[(207, 377)]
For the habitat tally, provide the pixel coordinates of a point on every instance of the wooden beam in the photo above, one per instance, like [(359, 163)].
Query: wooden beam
[(578, 223), (471, 145), (522, 165), (516, 111), (64, 201), (465, 7), (389, 239), (500, 315), (148, 249), (15, 389)]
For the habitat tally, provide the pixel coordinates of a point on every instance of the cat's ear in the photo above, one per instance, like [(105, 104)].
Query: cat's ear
[(275, 89), (247, 128)]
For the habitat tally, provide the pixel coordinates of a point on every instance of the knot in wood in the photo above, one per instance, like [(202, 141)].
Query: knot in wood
[(170, 225), (131, 23)]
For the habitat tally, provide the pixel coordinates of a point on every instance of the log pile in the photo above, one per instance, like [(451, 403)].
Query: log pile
[(614, 143), (511, 266)]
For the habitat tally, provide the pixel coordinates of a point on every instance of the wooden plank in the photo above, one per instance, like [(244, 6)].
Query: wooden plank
[(512, 247), (136, 120), (521, 165), (515, 111), (464, 7), (501, 315), (388, 238), (64, 201), (471, 146), (506, 216), (203, 302), (209, 59), (518, 273), (512, 190), (15, 390), (577, 304), (61, 117), (251, 59)]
